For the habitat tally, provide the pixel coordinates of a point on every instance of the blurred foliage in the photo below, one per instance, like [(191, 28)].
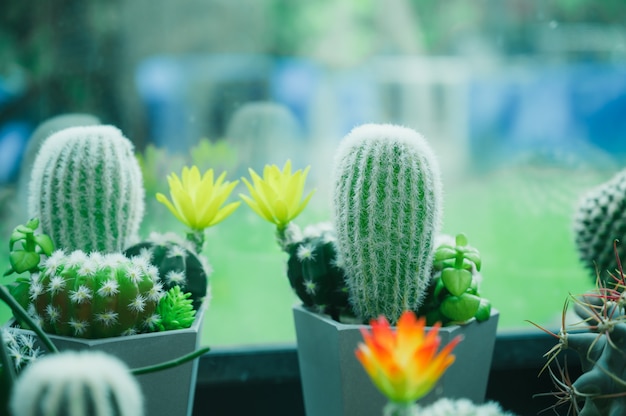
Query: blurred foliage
[(157, 163)]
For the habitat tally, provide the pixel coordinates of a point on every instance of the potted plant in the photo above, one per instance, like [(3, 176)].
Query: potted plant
[(378, 257), (101, 289)]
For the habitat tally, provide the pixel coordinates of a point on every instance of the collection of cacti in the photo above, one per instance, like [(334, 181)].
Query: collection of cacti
[(376, 256)]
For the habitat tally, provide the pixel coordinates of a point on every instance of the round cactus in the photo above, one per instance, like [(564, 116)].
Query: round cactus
[(77, 384), (95, 296), (177, 263), (600, 219), (313, 271), (387, 211), (86, 188)]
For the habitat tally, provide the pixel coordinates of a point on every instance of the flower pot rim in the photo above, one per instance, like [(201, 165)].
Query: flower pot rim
[(349, 326), (195, 327)]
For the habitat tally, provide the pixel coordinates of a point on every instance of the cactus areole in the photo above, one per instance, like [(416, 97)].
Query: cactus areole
[(387, 211)]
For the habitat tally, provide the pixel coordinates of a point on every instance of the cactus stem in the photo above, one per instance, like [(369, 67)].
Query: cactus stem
[(8, 372), (196, 237), (172, 363)]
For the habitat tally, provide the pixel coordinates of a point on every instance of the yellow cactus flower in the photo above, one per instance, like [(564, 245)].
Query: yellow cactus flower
[(277, 197), (197, 200), (404, 363)]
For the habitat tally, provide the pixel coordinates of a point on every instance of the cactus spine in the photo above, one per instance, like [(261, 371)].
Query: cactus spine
[(600, 219), (95, 296), (387, 211), (86, 188), (77, 384)]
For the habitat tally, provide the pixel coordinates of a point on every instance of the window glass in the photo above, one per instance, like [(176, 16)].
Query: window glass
[(524, 103)]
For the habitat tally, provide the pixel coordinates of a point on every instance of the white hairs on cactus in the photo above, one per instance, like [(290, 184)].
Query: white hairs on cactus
[(462, 407), (87, 190), (387, 212), (77, 384)]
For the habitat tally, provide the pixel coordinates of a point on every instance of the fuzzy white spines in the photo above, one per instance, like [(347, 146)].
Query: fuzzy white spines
[(87, 190), (387, 207), (77, 384)]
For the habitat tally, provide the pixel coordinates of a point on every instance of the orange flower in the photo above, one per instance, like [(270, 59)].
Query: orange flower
[(404, 364)]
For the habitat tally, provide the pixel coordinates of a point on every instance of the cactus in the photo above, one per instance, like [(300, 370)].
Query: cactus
[(77, 384), (86, 189), (177, 263), (95, 296), (313, 271), (600, 219), (387, 211), (601, 349)]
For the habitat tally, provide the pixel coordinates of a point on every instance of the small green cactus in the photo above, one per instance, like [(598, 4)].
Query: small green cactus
[(77, 384), (600, 219), (94, 296), (313, 271), (387, 210), (86, 188), (177, 262)]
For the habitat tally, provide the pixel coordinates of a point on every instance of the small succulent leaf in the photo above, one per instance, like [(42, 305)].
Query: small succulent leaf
[(46, 244), (33, 223), (444, 252), (461, 239), (456, 281), (15, 237), (474, 257), (484, 310), (22, 261), (460, 308), (24, 229)]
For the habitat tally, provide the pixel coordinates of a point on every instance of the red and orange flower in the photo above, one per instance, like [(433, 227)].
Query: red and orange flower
[(404, 364)]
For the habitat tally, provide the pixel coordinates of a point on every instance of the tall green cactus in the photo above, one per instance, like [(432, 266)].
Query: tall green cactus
[(600, 219), (387, 211), (86, 188)]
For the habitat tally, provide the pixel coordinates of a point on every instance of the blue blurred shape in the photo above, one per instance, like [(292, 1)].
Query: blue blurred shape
[(13, 138)]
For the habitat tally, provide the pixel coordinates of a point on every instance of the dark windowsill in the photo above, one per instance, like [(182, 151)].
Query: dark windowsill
[(265, 380)]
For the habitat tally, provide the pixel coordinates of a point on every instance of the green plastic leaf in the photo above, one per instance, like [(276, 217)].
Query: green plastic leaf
[(457, 281), (474, 257), (444, 252), (15, 237), (22, 261), (46, 244), (460, 308), (33, 223), (461, 239), (24, 229), (484, 310)]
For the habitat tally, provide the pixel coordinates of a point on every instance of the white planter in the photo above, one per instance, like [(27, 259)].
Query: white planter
[(335, 384), (166, 393)]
